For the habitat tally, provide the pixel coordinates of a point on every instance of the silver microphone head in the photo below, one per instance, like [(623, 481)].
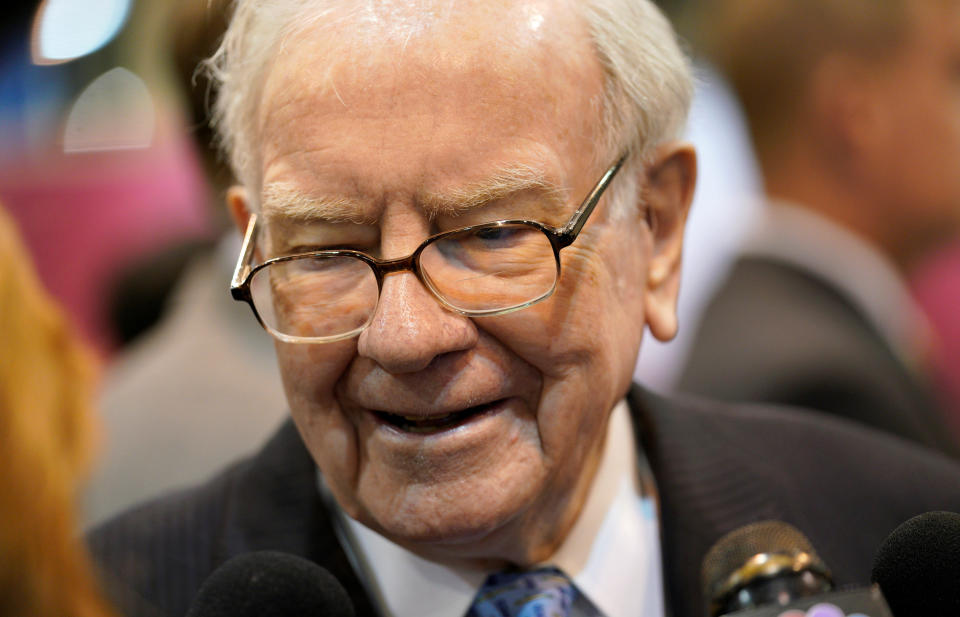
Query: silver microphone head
[(764, 562)]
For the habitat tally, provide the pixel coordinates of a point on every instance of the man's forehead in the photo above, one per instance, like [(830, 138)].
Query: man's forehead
[(388, 117), (402, 21), (377, 41)]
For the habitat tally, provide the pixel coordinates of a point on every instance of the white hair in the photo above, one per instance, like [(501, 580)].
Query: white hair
[(647, 91)]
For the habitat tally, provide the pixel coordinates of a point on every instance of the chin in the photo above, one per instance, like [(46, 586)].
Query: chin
[(460, 528), (447, 531)]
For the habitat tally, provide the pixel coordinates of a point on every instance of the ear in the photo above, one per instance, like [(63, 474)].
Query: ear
[(669, 186), (238, 204)]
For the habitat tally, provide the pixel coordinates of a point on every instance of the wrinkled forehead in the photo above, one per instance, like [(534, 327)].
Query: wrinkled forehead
[(467, 81), (504, 39)]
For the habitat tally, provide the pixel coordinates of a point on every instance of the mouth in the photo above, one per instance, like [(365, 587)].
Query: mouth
[(436, 424)]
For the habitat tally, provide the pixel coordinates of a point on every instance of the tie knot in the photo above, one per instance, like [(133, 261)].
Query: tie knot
[(546, 592)]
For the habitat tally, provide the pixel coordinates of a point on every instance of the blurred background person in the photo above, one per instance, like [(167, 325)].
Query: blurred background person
[(200, 387), (854, 112), (46, 440), (96, 165), (106, 166)]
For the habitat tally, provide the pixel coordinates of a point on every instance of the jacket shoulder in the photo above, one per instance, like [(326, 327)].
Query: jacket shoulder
[(777, 334), (155, 557), (797, 452), (720, 466), (770, 326)]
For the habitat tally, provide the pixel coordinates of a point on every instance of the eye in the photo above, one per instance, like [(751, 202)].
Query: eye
[(330, 265), (313, 248), (363, 245), (494, 237)]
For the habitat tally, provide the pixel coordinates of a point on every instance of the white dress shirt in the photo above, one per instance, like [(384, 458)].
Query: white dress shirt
[(612, 553)]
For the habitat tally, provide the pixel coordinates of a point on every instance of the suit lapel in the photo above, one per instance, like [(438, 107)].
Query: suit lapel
[(702, 491)]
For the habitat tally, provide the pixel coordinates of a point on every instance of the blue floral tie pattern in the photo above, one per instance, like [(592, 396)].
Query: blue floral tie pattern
[(546, 592)]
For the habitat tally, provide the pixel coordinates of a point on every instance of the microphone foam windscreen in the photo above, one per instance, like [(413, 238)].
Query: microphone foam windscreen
[(918, 566), (734, 549), (271, 584)]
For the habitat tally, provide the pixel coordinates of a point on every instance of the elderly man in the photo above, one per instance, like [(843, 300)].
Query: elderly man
[(857, 132), (459, 218)]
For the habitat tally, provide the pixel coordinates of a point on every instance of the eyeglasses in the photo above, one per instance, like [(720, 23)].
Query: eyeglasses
[(482, 270)]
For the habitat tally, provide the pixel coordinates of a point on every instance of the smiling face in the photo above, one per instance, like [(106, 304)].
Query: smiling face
[(436, 128)]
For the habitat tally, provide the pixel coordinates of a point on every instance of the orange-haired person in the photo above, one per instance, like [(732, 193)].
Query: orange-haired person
[(46, 432)]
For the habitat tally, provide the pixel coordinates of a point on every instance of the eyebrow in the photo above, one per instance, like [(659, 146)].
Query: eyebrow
[(285, 201), (504, 183)]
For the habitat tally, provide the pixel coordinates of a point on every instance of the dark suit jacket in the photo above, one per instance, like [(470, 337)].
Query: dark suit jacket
[(775, 333), (717, 468)]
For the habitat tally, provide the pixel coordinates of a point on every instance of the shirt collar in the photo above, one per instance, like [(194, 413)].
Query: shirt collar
[(612, 553), (866, 277)]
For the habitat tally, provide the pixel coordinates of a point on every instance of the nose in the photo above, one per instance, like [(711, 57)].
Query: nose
[(410, 327)]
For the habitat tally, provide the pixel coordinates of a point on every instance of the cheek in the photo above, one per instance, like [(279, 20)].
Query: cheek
[(556, 335), (927, 159), (608, 294), (310, 375), (310, 371), (928, 119), (937, 131), (587, 334), (948, 133)]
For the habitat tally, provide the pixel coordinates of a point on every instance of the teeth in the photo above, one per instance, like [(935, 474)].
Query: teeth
[(421, 418), (419, 429), (430, 424)]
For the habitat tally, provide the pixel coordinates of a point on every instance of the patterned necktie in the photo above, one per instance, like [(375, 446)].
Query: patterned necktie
[(546, 592)]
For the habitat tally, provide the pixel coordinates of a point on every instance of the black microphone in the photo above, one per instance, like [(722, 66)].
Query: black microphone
[(271, 584), (769, 569), (918, 566)]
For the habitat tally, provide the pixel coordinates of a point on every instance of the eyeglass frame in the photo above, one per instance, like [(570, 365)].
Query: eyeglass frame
[(559, 237)]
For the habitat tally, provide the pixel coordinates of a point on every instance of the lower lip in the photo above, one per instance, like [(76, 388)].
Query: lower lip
[(453, 422)]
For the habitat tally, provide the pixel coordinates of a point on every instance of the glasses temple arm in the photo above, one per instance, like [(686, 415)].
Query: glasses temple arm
[(242, 269), (579, 219)]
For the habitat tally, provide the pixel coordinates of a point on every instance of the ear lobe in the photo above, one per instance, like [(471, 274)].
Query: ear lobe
[(238, 204), (669, 187)]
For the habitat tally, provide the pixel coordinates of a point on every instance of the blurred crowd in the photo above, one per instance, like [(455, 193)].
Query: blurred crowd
[(124, 342)]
